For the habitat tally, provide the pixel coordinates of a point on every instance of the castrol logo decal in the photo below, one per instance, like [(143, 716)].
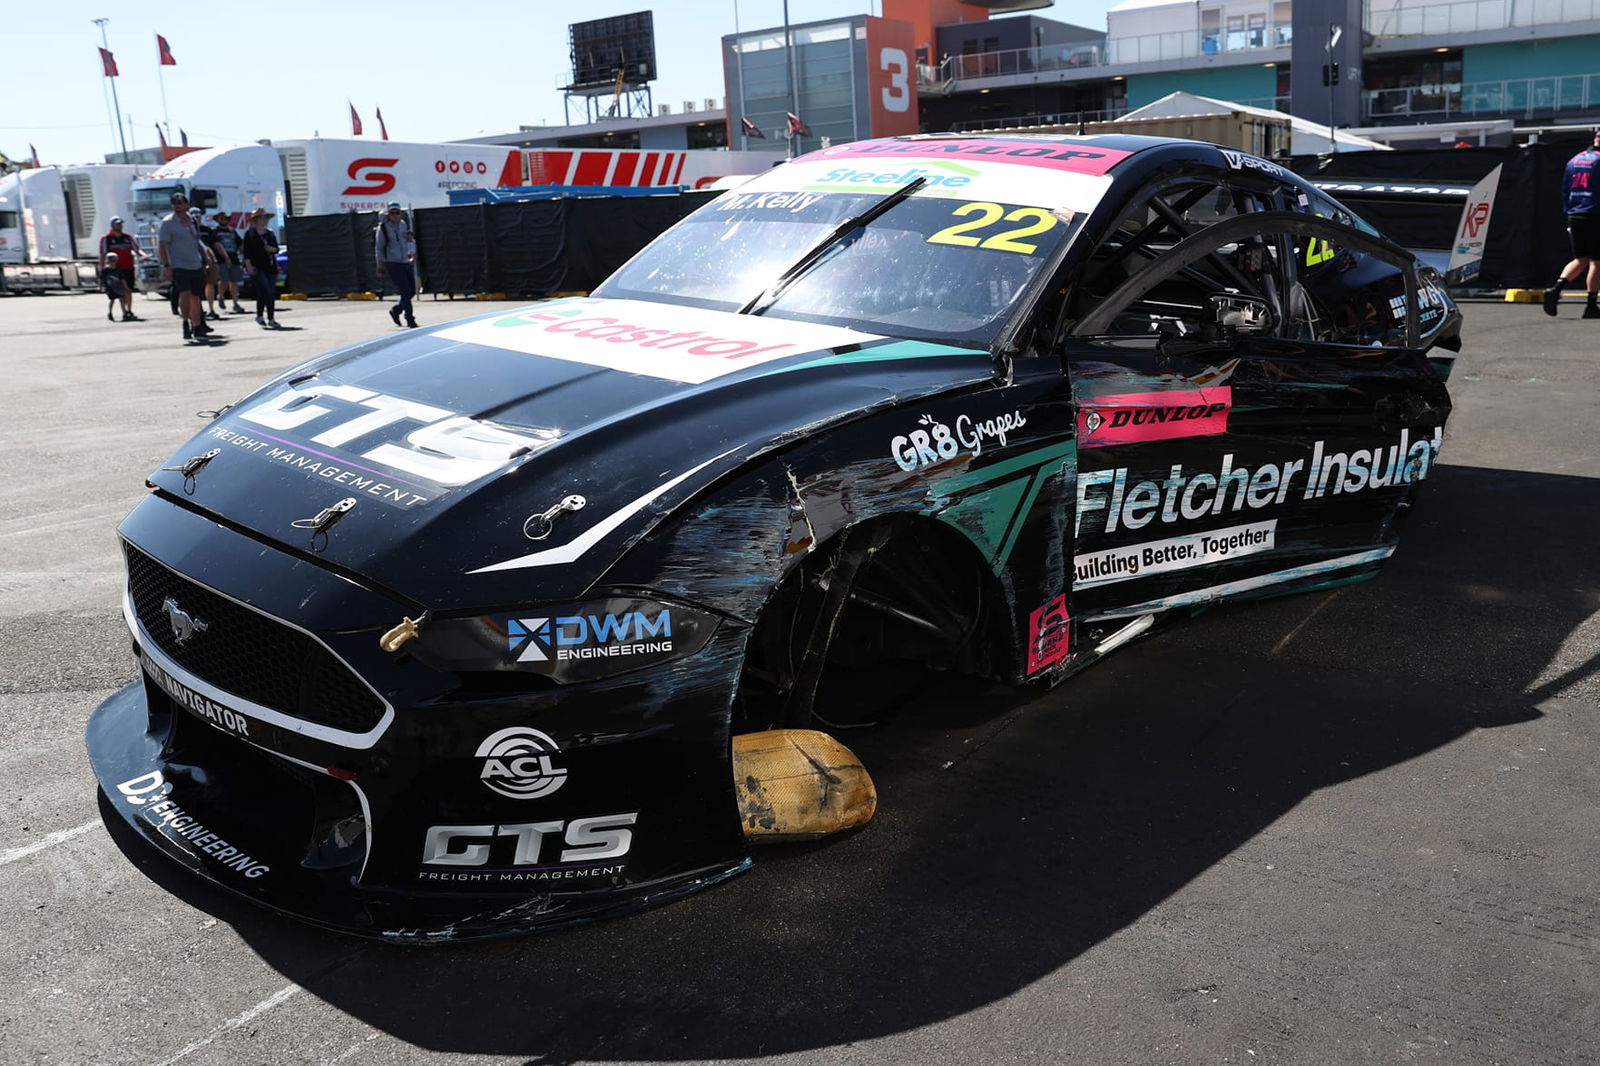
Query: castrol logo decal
[(1138, 417), (661, 341)]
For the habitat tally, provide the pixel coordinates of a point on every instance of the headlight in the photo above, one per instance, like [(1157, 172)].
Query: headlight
[(567, 643)]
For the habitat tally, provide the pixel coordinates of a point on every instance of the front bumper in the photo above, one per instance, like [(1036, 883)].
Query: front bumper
[(392, 827)]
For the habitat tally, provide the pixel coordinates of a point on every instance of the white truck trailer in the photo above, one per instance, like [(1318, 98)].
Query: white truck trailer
[(51, 222)]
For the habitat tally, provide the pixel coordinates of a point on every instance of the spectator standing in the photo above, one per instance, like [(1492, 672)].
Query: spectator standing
[(397, 251), (230, 268), (117, 253), (183, 262), (208, 241), (1582, 205), (260, 251)]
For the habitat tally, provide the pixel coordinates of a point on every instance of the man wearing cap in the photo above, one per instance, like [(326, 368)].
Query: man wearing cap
[(183, 264), (1583, 226), (228, 265), (123, 246), (397, 250)]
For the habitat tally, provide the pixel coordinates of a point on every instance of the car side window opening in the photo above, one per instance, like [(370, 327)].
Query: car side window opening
[(1246, 273), (1344, 296)]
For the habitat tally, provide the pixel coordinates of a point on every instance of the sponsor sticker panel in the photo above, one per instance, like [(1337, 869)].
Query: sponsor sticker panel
[(150, 795), (1142, 417), (1173, 553), (683, 344)]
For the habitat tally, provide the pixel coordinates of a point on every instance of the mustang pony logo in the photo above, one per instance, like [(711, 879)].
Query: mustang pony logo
[(184, 625)]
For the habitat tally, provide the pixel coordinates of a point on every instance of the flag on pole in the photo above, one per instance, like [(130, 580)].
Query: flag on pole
[(161, 135), (355, 121), (750, 129), (381, 127), (35, 153), (796, 126), (183, 136), (165, 52), (108, 64)]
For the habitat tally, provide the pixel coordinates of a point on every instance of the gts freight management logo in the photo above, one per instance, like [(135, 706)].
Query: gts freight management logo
[(589, 636)]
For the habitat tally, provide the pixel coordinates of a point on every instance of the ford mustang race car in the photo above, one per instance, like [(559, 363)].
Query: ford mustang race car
[(546, 614)]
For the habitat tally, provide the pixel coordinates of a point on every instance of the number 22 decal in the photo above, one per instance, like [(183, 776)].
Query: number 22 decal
[(1006, 240)]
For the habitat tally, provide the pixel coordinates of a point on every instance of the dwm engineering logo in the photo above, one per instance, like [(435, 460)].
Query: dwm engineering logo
[(589, 636)]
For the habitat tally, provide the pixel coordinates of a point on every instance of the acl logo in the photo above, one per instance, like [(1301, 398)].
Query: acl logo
[(517, 763), (380, 182)]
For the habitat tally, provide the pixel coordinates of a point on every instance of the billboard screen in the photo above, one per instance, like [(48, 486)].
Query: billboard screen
[(601, 47)]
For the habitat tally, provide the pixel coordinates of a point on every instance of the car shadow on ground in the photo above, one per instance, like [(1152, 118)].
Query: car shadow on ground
[(1016, 831)]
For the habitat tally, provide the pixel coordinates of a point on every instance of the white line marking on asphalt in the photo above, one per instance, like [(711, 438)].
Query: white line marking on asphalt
[(58, 837), (353, 1048), (233, 1023)]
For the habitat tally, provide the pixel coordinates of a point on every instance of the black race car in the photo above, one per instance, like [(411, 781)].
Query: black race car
[(466, 631)]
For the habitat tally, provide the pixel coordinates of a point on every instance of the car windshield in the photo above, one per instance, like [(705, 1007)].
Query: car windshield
[(947, 263), (154, 201)]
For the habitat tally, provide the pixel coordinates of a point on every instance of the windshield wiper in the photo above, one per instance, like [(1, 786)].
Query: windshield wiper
[(768, 296)]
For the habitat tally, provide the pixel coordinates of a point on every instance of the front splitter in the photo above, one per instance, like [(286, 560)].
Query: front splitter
[(210, 819)]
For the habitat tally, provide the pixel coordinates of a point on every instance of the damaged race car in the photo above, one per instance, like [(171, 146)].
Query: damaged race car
[(546, 615)]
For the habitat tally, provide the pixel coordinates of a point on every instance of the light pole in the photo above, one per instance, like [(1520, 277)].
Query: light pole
[(116, 107), (1335, 31)]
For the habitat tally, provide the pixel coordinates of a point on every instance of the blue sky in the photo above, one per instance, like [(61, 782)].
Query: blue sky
[(282, 70)]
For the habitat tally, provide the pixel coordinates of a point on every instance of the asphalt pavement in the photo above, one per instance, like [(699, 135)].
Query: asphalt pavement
[(1351, 827)]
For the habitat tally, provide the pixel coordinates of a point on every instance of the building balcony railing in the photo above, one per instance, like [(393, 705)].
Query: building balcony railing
[(1192, 43), (1472, 16), (1014, 122), (1009, 63), (1524, 98)]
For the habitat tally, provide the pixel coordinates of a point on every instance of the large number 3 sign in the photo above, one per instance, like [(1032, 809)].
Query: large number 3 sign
[(896, 96)]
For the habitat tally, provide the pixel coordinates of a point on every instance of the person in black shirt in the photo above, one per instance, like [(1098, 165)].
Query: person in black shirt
[(230, 271), (260, 251)]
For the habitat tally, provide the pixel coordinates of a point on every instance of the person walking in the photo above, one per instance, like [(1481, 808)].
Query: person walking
[(229, 268), (117, 253), (397, 251), (183, 263), (1579, 198), (208, 241), (260, 252)]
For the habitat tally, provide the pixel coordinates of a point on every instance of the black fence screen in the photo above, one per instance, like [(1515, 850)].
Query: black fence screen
[(526, 248), (1527, 243)]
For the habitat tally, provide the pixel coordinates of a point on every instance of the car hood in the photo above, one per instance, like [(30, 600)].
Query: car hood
[(453, 441)]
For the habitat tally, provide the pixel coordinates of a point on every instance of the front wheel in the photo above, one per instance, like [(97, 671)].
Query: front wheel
[(859, 628)]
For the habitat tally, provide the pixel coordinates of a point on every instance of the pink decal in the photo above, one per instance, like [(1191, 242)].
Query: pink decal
[(1138, 417), (1048, 635), (1078, 156)]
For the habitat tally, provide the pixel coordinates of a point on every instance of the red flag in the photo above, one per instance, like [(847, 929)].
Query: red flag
[(108, 63), (165, 52), (381, 127), (796, 126), (750, 129), (161, 135), (183, 135), (355, 121)]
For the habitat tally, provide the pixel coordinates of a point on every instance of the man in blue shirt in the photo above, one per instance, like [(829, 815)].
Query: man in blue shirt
[(1583, 226)]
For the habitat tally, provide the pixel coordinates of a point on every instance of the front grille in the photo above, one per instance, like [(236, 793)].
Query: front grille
[(249, 654)]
